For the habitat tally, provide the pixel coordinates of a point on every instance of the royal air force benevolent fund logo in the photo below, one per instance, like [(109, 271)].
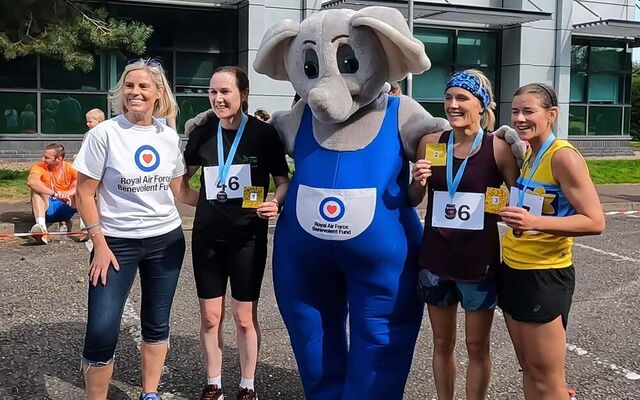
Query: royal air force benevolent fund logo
[(334, 214), (332, 209), (147, 158)]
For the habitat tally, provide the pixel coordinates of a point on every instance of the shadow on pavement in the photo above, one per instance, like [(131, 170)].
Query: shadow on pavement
[(43, 362)]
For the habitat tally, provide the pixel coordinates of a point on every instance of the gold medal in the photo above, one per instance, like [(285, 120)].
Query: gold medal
[(252, 196), (437, 154), (494, 200)]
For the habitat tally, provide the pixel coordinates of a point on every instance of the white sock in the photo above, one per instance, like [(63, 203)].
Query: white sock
[(216, 380), (246, 383), (41, 221)]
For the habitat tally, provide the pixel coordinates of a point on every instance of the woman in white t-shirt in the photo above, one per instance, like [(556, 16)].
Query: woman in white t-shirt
[(134, 165)]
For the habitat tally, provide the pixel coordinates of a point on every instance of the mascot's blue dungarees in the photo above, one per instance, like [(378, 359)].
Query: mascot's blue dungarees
[(347, 242)]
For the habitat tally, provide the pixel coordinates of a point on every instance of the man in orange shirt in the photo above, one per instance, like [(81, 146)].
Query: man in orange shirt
[(53, 187)]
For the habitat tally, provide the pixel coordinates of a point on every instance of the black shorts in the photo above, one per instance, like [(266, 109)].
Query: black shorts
[(536, 296), (215, 262)]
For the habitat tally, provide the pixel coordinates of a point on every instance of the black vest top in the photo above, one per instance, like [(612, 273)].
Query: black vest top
[(457, 254)]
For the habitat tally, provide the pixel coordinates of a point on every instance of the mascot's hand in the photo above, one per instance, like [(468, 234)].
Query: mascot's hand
[(518, 146), (436, 125), (198, 120)]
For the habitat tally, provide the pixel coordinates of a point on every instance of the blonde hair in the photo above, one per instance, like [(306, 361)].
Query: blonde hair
[(166, 105), (488, 118), (96, 113)]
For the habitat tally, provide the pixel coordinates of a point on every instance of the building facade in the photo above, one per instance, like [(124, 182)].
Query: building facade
[(580, 47)]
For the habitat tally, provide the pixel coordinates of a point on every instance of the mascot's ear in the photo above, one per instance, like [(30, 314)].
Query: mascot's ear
[(405, 54), (271, 56)]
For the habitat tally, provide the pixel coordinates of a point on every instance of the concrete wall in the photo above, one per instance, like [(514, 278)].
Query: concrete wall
[(607, 9), (538, 51), (258, 16)]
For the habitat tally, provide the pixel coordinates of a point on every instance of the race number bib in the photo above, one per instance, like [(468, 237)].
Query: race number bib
[(239, 177), (531, 203), (465, 211), (335, 214)]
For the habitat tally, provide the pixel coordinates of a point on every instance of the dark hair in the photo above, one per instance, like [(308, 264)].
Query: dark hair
[(262, 114), (242, 81), (545, 93), (57, 147), (396, 89)]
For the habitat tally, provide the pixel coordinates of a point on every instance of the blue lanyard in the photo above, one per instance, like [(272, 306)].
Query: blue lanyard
[(223, 165), (526, 181), (452, 183)]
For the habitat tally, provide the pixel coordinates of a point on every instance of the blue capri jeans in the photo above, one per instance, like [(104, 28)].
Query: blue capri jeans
[(159, 260)]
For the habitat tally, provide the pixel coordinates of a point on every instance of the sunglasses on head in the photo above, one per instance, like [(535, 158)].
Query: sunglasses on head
[(152, 62)]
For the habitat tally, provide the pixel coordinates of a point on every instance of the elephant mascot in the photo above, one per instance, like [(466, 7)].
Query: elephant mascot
[(346, 245)]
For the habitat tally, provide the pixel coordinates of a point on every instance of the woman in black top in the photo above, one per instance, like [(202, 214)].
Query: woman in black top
[(237, 153), (461, 246)]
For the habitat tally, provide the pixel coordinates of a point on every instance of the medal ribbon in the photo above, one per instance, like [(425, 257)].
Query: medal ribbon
[(526, 181), (452, 183), (223, 165)]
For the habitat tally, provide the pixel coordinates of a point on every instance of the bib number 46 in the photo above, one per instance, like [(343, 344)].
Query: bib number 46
[(233, 183)]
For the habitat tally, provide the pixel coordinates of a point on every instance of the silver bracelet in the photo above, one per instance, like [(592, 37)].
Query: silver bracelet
[(89, 227)]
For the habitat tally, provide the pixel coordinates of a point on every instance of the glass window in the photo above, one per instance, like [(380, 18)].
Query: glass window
[(194, 70), (206, 30), (165, 58), (578, 86), (579, 57), (627, 88), (600, 74), (435, 109), (438, 44), (55, 76), (190, 107), (606, 87), (18, 113), (607, 58), (627, 121), (476, 49), (19, 73), (65, 113), (577, 120), (430, 85), (605, 120)]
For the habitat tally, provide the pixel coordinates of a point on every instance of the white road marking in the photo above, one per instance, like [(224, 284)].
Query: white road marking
[(627, 373), (608, 253)]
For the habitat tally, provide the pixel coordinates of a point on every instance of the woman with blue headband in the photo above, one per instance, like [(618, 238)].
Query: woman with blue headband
[(461, 246)]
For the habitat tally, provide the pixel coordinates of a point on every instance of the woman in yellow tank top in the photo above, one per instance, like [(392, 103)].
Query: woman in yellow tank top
[(556, 200)]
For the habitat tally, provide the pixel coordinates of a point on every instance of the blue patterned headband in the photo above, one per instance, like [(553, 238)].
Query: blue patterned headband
[(472, 84)]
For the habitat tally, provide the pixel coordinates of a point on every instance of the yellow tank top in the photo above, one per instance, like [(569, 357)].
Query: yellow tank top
[(537, 250)]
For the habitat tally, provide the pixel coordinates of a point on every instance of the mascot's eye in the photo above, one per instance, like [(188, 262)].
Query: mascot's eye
[(347, 61), (311, 68)]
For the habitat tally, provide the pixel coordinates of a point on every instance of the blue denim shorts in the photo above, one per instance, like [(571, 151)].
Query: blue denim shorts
[(472, 296), (59, 211)]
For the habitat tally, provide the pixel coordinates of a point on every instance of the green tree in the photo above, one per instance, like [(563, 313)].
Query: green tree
[(635, 101), (71, 31)]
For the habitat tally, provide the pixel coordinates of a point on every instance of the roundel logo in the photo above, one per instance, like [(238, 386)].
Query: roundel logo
[(332, 209), (147, 158)]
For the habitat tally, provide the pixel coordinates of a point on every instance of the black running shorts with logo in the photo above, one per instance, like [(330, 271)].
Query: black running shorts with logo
[(536, 295), (216, 262)]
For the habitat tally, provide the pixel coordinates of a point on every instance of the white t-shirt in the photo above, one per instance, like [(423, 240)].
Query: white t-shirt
[(135, 165)]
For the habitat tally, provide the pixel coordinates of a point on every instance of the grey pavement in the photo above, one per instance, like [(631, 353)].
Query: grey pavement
[(16, 216), (43, 293)]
